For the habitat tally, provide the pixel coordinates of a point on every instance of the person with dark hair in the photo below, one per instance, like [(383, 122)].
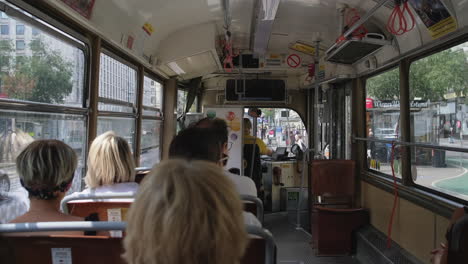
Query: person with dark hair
[(208, 141), (46, 169)]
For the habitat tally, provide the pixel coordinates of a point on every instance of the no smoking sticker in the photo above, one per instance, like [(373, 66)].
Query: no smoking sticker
[(293, 60)]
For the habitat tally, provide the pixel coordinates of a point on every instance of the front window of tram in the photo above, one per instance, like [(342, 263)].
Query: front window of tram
[(280, 127)]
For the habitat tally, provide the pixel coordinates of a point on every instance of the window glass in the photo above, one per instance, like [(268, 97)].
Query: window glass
[(35, 31), (117, 85), (19, 29), (152, 97), (382, 119), (124, 127), (52, 71), (182, 102), (18, 129), (5, 30), (280, 127), (20, 45), (150, 140), (439, 116)]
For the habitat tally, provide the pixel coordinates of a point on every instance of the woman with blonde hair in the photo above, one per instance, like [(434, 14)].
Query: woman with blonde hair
[(46, 169), (185, 212), (111, 167)]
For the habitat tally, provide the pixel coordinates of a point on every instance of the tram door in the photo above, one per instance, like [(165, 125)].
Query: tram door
[(335, 121)]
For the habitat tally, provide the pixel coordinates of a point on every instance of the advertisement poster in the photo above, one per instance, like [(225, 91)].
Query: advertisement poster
[(83, 7), (435, 16), (233, 117)]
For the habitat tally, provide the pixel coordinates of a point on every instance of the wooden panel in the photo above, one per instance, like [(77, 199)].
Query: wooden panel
[(85, 209), (416, 230)]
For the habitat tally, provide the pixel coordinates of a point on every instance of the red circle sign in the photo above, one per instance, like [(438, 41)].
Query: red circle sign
[(293, 60)]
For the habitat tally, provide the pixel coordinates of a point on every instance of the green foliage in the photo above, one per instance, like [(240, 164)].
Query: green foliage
[(43, 77), (6, 47), (430, 78)]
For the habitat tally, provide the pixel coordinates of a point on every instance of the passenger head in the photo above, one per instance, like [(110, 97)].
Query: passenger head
[(46, 168), (247, 126), (218, 125), (188, 212), (110, 161), (196, 144)]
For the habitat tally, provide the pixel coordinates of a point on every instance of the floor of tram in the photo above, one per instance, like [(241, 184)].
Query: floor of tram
[(294, 245)]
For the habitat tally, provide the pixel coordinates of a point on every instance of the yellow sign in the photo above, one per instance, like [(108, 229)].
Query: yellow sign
[(444, 27), (148, 28), (304, 48)]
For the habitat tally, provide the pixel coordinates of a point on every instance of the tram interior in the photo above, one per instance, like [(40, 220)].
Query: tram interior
[(377, 86)]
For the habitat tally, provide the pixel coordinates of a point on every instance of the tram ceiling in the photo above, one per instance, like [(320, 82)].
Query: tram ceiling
[(295, 20)]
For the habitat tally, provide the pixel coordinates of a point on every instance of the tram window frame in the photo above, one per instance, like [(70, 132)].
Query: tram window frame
[(374, 140), (158, 118), (121, 114), (435, 190), (69, 37)]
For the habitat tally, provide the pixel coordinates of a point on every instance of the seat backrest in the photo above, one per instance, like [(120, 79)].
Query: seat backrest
[(102, 209), (253, 205), (256, 174), (53, 249), (333, 178)]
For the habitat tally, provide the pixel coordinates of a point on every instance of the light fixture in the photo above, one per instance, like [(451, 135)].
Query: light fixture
[(175, 68), (264, 25), (269, 9)]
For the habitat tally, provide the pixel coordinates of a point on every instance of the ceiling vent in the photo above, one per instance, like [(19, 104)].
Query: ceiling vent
[(353, 50)]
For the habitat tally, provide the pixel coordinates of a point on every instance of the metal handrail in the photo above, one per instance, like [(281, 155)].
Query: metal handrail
[(270, 251), (93, 196), (258, 203), (412, 144), (62, 226)]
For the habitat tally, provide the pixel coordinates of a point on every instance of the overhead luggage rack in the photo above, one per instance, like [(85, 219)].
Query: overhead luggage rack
[(355, 49)]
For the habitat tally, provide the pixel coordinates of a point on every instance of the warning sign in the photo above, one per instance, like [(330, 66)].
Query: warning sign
[(304, 48), (293, 61), (435, 17)]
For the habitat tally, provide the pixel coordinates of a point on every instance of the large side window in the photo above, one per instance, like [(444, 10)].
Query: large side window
[(117, 98), (151, 123), (382, 121), (439, 117), (41, 91)]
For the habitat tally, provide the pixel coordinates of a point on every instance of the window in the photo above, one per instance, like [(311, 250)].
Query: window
[(439, 117), (35, 31), (382, 120), (150, 142), (123, 127), (51, 71), (19, 128), (182, 102), (46, 72), (280, 127), (117, 92), (4, 29), (3, 15), (152, 97), (19, 29), (20, 45)]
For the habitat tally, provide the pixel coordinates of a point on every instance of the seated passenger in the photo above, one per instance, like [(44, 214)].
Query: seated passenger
[(46, 169), (244, 185), (249, 139), (186, 212), (111, 168), (203, 144), (455, 251)]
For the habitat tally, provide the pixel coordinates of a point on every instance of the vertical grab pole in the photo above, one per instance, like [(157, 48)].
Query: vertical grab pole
[(316, 102)]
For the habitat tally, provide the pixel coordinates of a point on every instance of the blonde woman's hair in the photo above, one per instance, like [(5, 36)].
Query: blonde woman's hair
[(185, 212), (45, 167), (110, 161)]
